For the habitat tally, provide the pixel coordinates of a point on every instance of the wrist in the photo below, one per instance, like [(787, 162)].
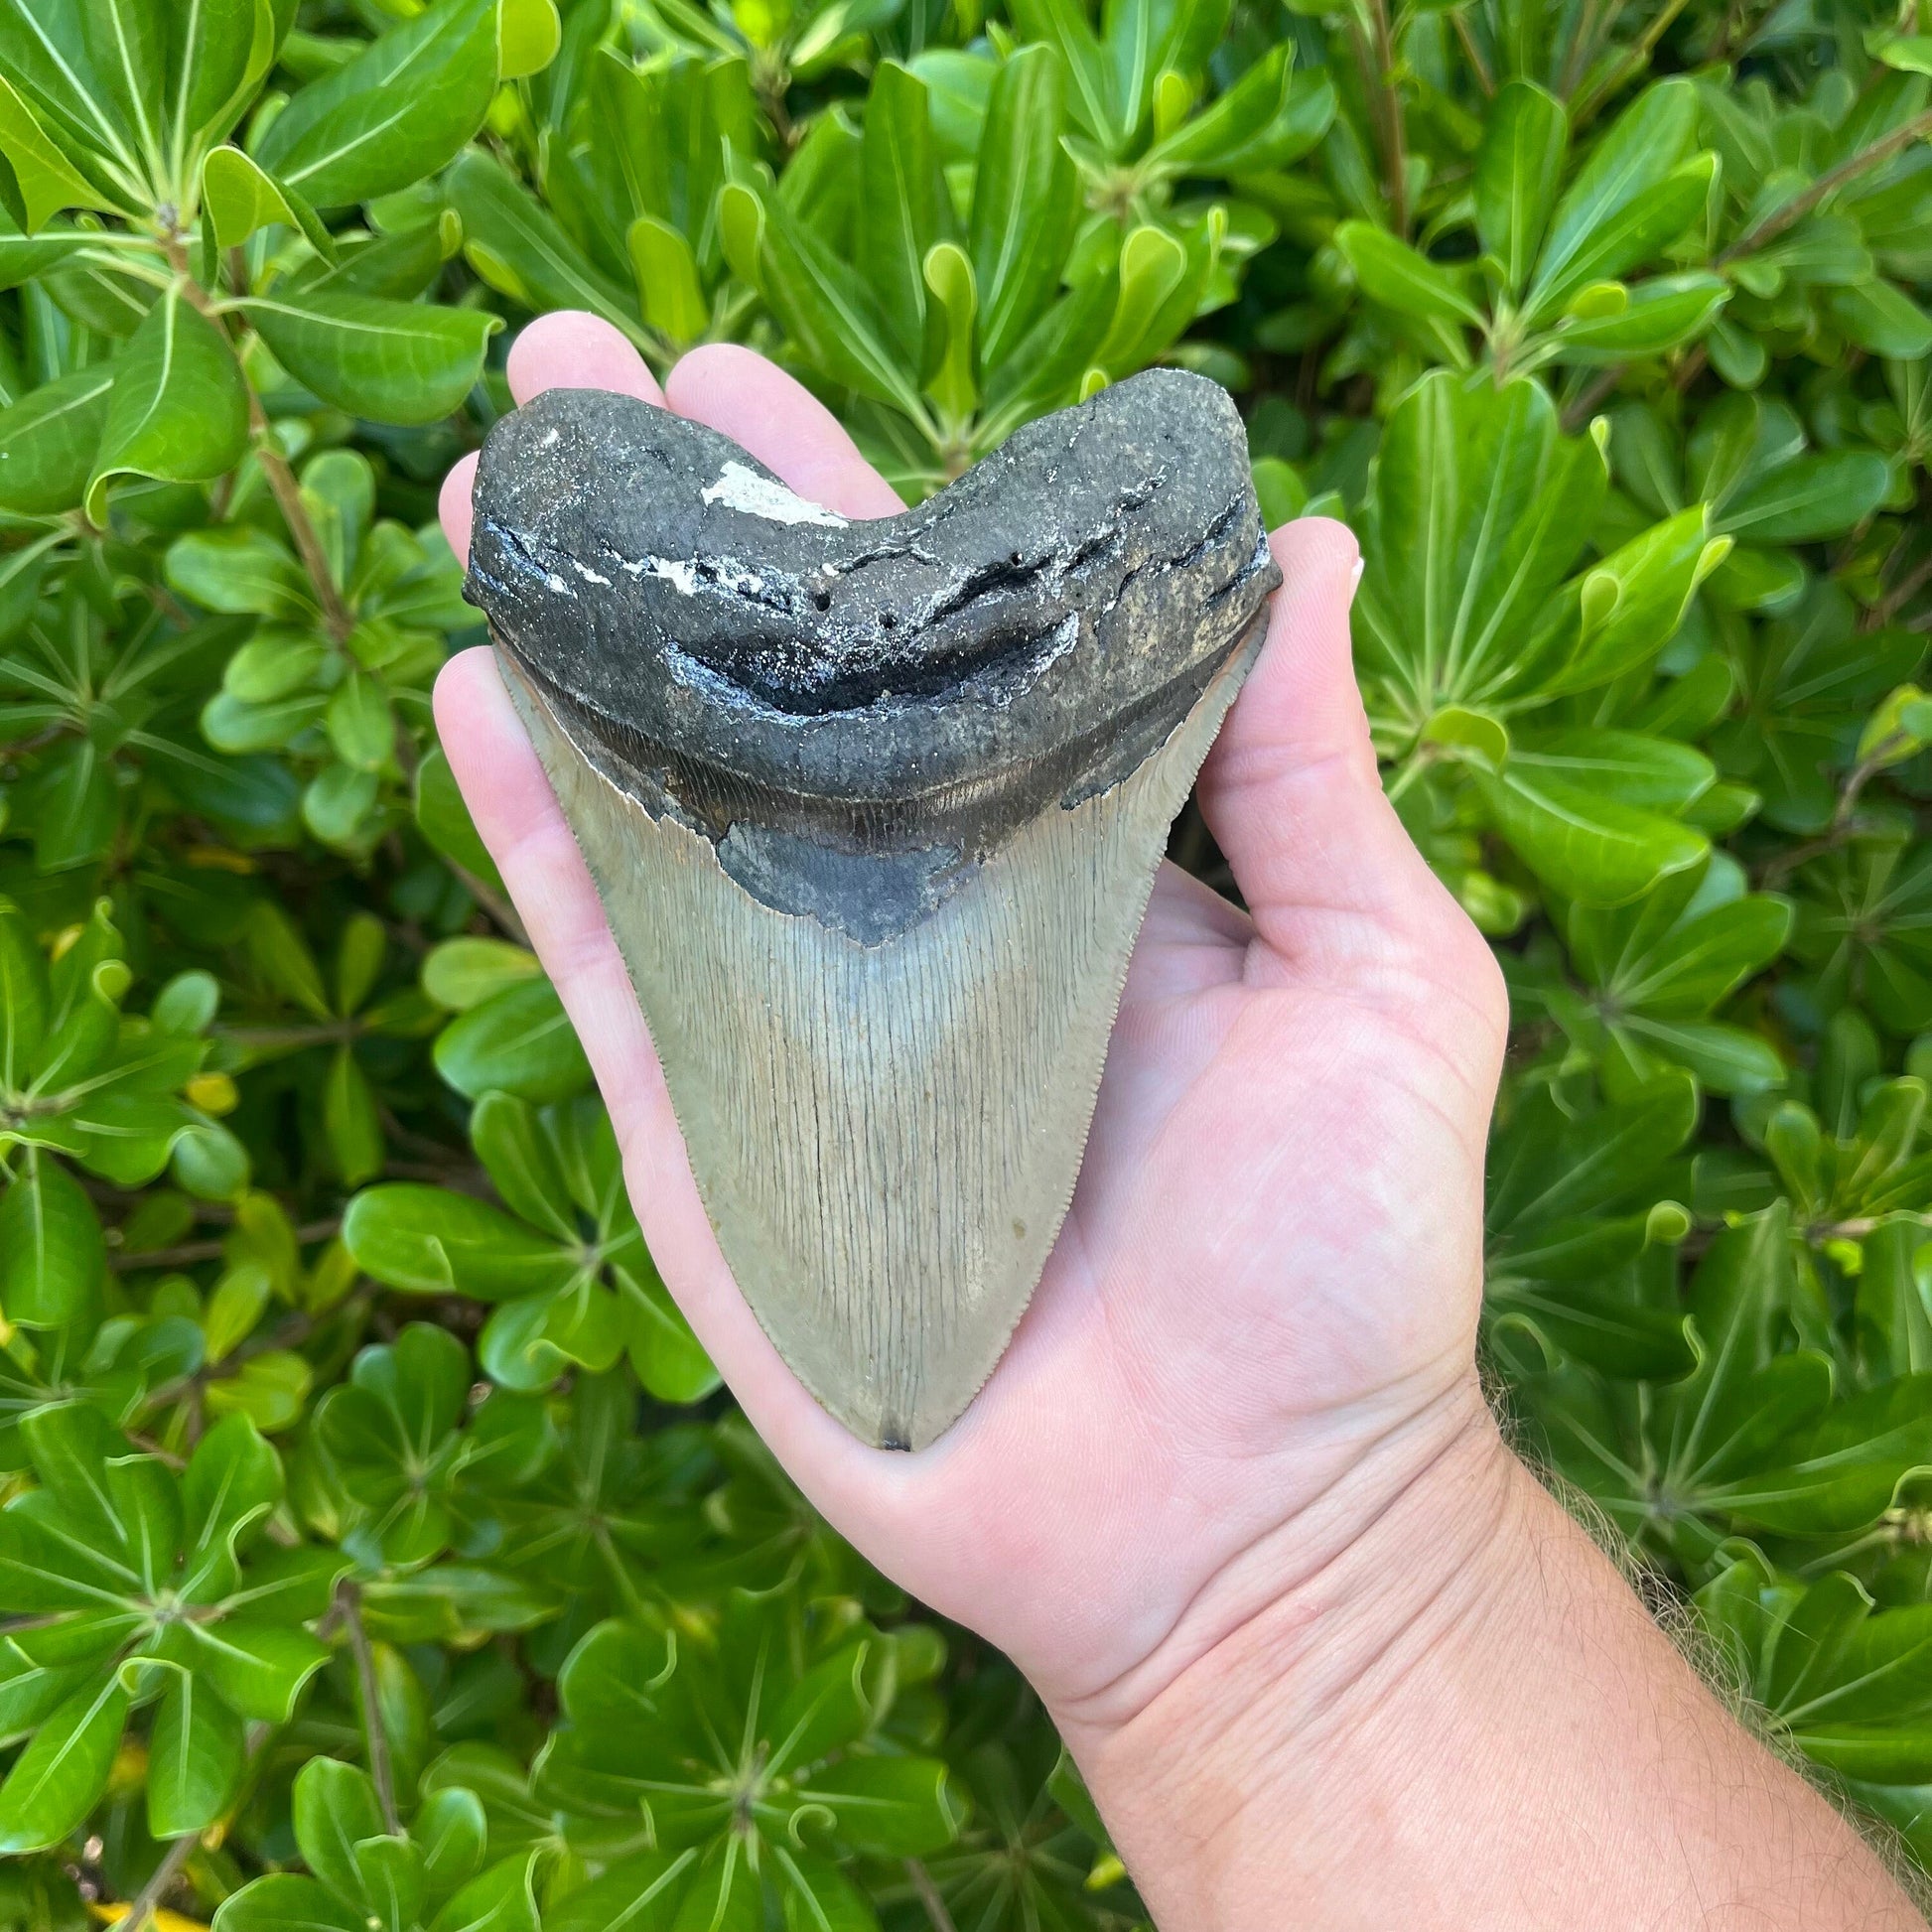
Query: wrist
[(1290, 1716), (1459, 1714), (1411, 1518)]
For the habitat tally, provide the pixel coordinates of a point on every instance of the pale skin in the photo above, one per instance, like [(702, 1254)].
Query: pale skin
[(1327, 1654)]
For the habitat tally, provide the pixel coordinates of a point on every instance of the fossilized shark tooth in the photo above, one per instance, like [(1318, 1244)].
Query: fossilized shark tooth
[(874, 808)]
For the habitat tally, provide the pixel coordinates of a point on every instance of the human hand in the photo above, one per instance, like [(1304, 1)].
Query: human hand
[(1257, 1327)]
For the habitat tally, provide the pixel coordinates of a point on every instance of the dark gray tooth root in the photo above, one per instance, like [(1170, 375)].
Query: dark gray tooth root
[(875, 808)]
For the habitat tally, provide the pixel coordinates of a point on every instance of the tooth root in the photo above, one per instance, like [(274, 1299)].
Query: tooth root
[(886, 1137)]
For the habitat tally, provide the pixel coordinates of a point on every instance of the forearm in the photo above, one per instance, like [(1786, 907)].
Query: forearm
[(1466, 1718)]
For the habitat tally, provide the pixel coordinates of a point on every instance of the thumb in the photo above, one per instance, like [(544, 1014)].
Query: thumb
[(1290, 790)]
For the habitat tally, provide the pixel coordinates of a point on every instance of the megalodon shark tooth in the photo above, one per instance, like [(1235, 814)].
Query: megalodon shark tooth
[(874, 808)]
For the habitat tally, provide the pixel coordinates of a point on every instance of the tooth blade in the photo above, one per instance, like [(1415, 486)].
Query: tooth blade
[(886, 1138)]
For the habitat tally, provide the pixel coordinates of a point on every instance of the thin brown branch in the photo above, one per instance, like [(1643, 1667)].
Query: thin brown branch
[(1900, 595), (1473, 54), (1824, 186), (288, 497), (158, 1451), (1634, 60), (272, 1040), (1599, 390), (147, 1902), (1576, 59), (1376, 57), (336, 614), (496, 904), (349, 1600), (1844, 818), (936, 1907), (185, 1254)]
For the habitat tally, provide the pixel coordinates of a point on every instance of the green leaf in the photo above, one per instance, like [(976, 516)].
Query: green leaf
[(829, 309), (668, 287), (1631, 604), (217, 56), (1880, 318), (1809, 498), (1662, 314), (178, 409), (1518, 173), (527, 36), (391, 361), (904, 205), (334, 1813), (281, 957), (667, 1357), (395, 113), (1224, 136), (500, 1900), (519, 1041), (239, 569), (195, 1749), (453, 1828), (1584, 845), (895, 1806), (1026, 203), (47, 441), (23, 998), (638, 1894), (52, 1254), (520, 1158), (1591, 235), (231, 1484), (515, 245), (434, 1242), (351, 1121), (462, 972), (948, 274), (240, 197), (819, 1897), (1841, 1474), (1629, 767), (1479, 507), (259, 1668), (287, 1902), (1402, 280), (361, 727), (725, 1894), (47, 181), (56, 1781)]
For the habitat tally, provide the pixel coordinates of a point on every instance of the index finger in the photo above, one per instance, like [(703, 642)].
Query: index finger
[(776, 418)]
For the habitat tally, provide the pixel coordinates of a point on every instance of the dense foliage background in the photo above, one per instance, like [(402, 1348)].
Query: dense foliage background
[(377, 1550)]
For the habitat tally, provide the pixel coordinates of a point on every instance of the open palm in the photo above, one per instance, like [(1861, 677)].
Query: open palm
[(1268, 1282)]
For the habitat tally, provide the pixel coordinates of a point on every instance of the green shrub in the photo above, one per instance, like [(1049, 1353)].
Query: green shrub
[(344, 1418)]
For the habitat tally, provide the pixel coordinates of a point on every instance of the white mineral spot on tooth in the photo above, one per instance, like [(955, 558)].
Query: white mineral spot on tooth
[(679, 571), (587, 572), (556, 582), (740, 489)]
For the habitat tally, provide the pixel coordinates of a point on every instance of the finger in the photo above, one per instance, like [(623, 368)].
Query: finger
[(452, 504), (517, 815), (574, 351), (741, 395), (1290, 790)]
